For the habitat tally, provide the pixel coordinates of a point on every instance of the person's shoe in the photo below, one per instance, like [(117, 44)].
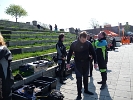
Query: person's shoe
[(78, 98), (62, 82), (88, 92), (103, 86), (100, 82)]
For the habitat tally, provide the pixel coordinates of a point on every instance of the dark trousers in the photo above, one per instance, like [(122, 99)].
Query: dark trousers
[(91, 66), (61, 70), (104, 77), (112, 47), (6, 98), (82, 70), (79, 84), (103, 65), (7, 94)]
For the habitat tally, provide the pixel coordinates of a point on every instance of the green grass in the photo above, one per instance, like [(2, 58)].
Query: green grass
[(34, 54), (37, 34), (29, 39), (34, 45), (24, 74), (30, 34), (43, 44)]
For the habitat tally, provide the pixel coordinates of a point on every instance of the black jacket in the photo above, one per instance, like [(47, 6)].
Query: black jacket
[(82, 51), (61, 50), (5, 71)]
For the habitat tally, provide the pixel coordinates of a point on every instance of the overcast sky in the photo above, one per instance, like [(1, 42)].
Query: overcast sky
[(72, 13)]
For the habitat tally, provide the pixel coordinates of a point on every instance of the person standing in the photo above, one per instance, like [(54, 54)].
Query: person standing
[(89, 38), (50, 26), (113, 43), (81, 48), (102, 57), (76, 31), (6, 78), (61, 55), (131, 39), (56, 29)]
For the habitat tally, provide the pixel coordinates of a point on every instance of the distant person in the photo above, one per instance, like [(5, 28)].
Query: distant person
[(76, 31), (89, 38), (6, 78), (38, 26), (50, 26), (113, 43), (131, 39), (56, 29)]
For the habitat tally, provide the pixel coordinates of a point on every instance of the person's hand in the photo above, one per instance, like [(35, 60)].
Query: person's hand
[(90, 56), (95, 66), (64, 58), (68, 66)]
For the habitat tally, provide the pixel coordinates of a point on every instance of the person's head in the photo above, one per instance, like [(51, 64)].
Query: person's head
[(88, 36), (2, 42), (83, 37), (101, 35), (95, 37), (61, 37)]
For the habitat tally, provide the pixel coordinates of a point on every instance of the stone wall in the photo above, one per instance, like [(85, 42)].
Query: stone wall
[(16, 24), (15, 64)]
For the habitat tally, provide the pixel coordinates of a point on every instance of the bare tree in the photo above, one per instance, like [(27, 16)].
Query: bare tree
[(94, 23), (105, 24)]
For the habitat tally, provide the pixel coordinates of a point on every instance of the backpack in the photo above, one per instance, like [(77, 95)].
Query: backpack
[(26, 68), (55, 95)]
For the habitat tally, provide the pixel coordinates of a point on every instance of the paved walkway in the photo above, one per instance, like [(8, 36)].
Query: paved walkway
[(120, 79)]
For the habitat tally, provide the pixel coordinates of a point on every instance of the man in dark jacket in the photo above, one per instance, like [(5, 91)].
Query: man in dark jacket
[(102, 57), (81, 49), (61, 55)]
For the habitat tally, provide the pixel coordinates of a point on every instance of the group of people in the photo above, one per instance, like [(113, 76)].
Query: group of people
[(50, 27), (85, 51)]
